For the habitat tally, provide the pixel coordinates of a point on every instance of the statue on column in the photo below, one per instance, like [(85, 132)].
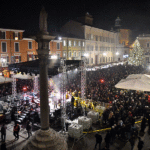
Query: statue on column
[(43, 21)]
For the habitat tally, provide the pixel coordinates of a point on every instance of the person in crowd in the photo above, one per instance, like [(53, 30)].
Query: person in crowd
[(132, 142), (28, 128), (3, 132), (107, 139), (113, 134), (98, 140), (72, 102), (143, 124), (140, 144), (16, 131)]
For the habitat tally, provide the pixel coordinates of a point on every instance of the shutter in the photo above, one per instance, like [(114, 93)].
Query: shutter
[(8, 59), (19, 58), (19, 36), (13, 35), (27, 57)]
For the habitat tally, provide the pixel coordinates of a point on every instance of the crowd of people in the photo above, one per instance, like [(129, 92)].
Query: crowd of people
[(127, 106)]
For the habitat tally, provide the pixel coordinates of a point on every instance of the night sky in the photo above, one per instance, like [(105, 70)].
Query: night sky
[(135, 15)]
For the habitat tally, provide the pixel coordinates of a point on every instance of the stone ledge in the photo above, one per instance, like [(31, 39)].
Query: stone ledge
[(46, 140)]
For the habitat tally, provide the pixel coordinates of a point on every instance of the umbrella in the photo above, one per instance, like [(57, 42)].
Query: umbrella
[(140, 82)]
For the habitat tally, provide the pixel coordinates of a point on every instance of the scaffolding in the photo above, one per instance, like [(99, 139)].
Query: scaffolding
[(63, 92), (14, 92), (36, 84), (83, 77)]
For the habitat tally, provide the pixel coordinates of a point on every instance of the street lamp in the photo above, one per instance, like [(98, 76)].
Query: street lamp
[(104, 54), (117, 53)]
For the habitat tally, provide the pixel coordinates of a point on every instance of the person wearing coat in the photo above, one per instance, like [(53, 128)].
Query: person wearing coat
[(107, 139), (98, 140), (140, 144)]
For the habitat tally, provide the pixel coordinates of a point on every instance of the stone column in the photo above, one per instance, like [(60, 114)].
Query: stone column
[(44, 105)]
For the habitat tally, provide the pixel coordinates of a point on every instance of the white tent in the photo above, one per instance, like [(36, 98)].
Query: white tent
[(20, 76), (140, 82), (5, 80)]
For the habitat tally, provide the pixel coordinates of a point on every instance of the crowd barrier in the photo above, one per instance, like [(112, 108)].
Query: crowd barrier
[(107, 128)]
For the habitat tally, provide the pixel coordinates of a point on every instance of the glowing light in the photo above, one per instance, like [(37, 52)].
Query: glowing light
[(117, 53), (104, 54), (86, 55), (60, 38), (101, 80), (53, 57)]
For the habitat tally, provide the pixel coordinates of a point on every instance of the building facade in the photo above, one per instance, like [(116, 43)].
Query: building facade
[(73, 48), (100, 45), (14, 48)]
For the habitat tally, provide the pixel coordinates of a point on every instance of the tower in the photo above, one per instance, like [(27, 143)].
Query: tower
[(117, 24)]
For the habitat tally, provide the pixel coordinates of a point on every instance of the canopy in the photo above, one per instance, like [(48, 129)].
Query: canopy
[(5, 80), (54, 66), (20, 76), (140, 82)]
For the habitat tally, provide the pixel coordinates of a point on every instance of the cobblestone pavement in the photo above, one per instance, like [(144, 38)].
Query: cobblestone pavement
[(86, 143)]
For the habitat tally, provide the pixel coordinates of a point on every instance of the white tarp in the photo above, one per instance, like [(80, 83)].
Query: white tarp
[(140, 82), (20, 76), (5, 80)]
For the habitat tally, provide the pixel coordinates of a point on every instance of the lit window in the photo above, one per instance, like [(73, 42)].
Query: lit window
[(4, 49), (16, 35), (64, 42), (74, 43), (69, 43), (79, 43), (58, 45), (29, 45), (83, 44)]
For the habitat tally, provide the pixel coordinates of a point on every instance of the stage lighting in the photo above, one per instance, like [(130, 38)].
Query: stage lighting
[(101, 80)]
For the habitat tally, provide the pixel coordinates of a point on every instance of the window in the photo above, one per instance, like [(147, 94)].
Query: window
[(100, 60), (58, 45), (96, 47), (30, 57), (5, 61), (79, 54), (123, 42), (69, 43), (83, 44), (64, 54), (69, 54), (4, 48), (79, 43), (17, 59), (92, 48), (96, 38), (64, 42), (91, 36), (147, 45), (74, 54), (106, 59), (74, 43), (101, 38), (2, 34), (88, 48), (109, 59), (58, 55), (29, 45), (92, 60), (16, 47), (103, 59), (16, 35)]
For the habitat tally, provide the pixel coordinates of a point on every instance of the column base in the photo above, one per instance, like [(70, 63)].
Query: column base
[(46, 140)]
